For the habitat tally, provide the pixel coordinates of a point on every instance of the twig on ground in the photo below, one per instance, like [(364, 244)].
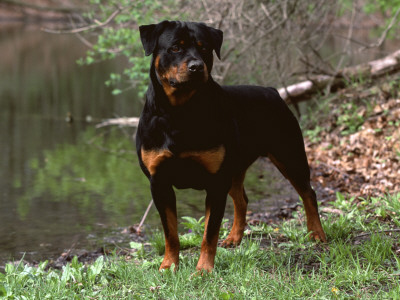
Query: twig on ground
[(380, 231), (68, 252), (334, 169), (144, 216)]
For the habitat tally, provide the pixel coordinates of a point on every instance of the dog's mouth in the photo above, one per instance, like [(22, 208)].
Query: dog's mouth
[(182, 84), (189, 81), (174, 83)]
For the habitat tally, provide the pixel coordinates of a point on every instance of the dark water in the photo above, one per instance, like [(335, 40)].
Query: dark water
[(40, 84), (67, 185)]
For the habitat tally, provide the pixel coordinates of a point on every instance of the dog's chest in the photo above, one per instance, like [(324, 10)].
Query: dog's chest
[(209, 160), (185, 145)]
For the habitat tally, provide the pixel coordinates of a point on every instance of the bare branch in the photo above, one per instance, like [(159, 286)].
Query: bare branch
[(86, 28), (384, 33), (265, 10)]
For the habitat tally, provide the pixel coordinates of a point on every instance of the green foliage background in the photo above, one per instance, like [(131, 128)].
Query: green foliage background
[(123, 39)]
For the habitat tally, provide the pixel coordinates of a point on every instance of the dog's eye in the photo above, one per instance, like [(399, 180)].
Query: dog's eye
[(201, 47), (175, 49)]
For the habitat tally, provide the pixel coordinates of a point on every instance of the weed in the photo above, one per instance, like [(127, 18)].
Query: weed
[(349, 118), (314, 134), (193, 225), (377, 249), (157, 241)]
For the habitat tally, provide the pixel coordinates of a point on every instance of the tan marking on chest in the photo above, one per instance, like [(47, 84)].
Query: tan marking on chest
[(153, 158), (211, 159)]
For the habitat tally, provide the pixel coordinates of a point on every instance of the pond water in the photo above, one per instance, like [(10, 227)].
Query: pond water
[(67, 185)]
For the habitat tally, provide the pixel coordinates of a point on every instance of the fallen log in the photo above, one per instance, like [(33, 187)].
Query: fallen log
[(374, 69), (127, 122)]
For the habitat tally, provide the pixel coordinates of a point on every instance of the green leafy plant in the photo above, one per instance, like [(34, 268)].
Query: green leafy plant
[(193, 225), (122, 39), (314, 134), (352, 116)]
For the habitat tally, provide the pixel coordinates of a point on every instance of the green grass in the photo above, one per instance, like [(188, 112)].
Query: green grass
[(362, 260)]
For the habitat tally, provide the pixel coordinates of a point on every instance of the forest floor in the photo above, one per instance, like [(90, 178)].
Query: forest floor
[(353, 139)]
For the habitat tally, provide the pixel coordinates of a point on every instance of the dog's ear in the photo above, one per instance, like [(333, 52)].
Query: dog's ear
[(217, 37), (149, 35)]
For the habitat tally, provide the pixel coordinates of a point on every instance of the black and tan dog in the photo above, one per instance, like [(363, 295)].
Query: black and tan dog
[(194, 133)]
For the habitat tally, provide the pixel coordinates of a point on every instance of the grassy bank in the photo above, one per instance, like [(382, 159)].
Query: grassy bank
[(362, 260)]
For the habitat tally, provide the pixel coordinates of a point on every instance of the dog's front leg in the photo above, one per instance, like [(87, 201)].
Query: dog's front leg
[(165, 201), (215, 208)]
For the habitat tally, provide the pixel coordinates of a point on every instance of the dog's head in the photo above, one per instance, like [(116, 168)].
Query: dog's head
[(182, 55)]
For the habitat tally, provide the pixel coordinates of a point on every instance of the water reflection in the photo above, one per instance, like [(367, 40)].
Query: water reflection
[(40, 83)]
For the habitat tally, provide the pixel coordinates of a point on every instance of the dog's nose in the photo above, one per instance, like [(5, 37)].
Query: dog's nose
[(195, 66)]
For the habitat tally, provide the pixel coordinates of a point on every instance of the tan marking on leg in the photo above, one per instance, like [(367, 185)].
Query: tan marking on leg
[(207, 255), (172, 246), (215, 207), (309, 198), (311, 207), (239, 198), (206, 218), (211, 159), (208, 249), (153, 158)]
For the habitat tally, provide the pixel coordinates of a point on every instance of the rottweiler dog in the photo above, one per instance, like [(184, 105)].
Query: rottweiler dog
[(194, 133)]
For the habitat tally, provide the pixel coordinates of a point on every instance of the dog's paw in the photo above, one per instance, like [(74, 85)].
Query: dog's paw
[(231, 241), (169, 264), (204, 268), (318, 236)]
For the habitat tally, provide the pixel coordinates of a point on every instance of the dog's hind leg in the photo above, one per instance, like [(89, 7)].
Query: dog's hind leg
[(297, 171), (309, 198), (240, 201)]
